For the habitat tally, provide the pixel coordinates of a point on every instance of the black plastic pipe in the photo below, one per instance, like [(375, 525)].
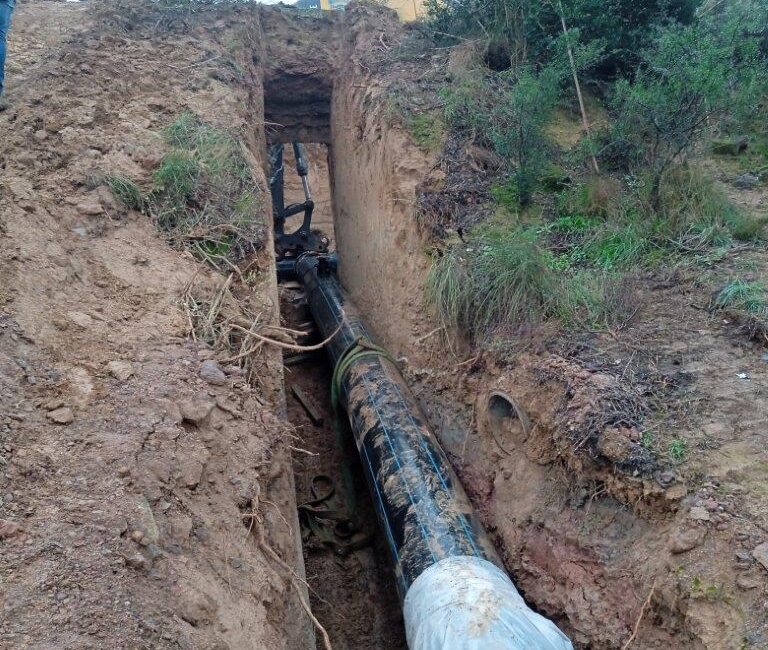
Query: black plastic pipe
[(455, 592), (422, 507)]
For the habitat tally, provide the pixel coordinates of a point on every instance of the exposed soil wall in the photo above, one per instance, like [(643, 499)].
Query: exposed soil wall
[(134, 494), (375, 170)]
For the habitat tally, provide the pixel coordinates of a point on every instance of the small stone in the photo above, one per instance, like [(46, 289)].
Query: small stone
[(684, 541), (92, 208), (212, 373), (760, 553), (676, 492), (52, 405), (8, 529), (666, 478), (137, 561), (123, 470), (190, 473), (746, 181), (62, 415), (120, 370), (137, 536), (746, 583), (195, 410), (699, 513)]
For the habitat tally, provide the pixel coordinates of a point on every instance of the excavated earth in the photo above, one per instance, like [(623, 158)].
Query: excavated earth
[(142, 505)]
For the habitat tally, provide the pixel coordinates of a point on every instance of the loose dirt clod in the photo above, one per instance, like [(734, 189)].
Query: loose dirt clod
[(120, 370), (62, 415)]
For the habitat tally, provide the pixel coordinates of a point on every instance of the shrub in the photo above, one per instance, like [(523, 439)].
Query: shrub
[(508, 112), (203, 194), (689, 82), (503, 276)]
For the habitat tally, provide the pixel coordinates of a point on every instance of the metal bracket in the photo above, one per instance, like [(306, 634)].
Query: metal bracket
[(304, 238)]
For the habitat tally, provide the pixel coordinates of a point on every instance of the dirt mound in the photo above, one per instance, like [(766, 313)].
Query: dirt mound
[(135, 492)]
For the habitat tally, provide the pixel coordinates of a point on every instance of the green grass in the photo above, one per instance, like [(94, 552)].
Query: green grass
[(203, 194), (506, 195), (502, 275), (428, 131), (746, 296), (176, 179), (677, 450), (520, 268), (126, 191), (647, 440)]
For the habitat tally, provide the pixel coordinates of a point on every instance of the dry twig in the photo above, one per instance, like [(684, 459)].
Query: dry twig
[(645, 604)]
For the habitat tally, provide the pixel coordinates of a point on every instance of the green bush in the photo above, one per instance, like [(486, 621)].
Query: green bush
[(203, 194), (529, 30), (508, 112), (504, 276), (690, 81)]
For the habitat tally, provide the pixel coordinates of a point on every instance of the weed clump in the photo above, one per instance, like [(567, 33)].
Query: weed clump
[(747, 296), (502, 275), (203, 194), (428, 131), (126, 191)]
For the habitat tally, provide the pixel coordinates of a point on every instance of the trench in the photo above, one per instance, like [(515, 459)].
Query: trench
[(352, 592), (363, 178)]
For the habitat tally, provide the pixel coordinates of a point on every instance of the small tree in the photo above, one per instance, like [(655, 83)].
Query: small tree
[(507, 112), (682, 86), (518, 115)]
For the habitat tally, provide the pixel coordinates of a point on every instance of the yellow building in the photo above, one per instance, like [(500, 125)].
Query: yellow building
[(407, 9)]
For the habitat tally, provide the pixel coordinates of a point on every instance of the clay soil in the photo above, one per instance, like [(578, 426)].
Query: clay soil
[(143, 505), (138, 501)]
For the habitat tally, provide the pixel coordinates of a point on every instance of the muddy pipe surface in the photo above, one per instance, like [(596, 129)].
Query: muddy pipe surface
[(455, 592)]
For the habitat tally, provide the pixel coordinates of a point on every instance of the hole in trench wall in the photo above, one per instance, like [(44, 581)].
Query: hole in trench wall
[(508, 421), (497, 57)]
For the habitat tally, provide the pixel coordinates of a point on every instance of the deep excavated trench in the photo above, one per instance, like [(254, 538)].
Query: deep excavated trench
[(363, 195), (445, 566), (352, 592)]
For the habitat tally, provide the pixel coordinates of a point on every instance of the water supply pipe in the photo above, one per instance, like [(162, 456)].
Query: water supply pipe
[(455, 592)]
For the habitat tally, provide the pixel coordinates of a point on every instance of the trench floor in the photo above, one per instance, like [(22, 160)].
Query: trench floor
[(354, 597)]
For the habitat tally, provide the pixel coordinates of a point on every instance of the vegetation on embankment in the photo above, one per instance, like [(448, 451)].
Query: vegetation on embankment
[(652, 87), (202, 193)]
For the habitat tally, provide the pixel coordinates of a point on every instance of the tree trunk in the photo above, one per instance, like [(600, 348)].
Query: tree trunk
[(577, 85)]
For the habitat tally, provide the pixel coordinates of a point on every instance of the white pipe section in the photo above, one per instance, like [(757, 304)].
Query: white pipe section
[(467, 603)]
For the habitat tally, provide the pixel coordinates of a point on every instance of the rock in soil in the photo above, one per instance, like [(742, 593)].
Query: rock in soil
[(746, 181), (699, 513), (8, 529), (212, 373), (195, 410), (760, 553), (52, 405), (62, 415), (684, 541), (747, 583), (120, 370)]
